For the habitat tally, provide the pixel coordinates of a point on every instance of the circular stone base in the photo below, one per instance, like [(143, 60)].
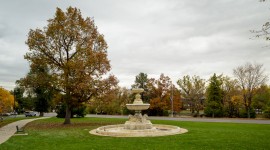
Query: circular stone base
[(120, 131)]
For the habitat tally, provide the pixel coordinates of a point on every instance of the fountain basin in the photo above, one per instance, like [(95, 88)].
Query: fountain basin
[(137, 107), (120, 131)]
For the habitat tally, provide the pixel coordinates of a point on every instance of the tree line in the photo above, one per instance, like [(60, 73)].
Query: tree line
[(245, 95)]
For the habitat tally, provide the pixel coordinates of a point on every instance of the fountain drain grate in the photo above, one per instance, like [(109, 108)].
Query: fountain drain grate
[(162, 129)]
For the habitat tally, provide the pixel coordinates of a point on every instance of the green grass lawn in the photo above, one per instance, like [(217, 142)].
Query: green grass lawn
[(51, 134)]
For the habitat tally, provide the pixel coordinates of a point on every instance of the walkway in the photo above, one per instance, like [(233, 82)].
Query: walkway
[(229, 120), (7, 131)]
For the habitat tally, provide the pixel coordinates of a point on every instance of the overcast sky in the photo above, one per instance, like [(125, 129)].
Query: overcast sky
[(174, 37)]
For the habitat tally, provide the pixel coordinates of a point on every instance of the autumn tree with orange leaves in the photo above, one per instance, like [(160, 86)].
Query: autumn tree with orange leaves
[(161, 96), (6, 101), (76, 55)]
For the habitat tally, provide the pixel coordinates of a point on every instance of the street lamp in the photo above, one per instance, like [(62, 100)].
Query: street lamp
[(172, 97)]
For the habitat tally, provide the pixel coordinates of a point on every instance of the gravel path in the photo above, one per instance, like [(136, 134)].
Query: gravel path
[(7, 131)]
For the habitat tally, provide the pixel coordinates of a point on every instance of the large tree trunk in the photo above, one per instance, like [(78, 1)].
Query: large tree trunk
[(248, 105), (41, 114), (248, 112), (68, 115), (67, 97)]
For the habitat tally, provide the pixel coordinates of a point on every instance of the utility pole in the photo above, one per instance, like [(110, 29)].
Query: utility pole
[(172, 97), (14, 97)]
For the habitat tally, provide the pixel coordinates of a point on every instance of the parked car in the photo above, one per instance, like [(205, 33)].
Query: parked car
[(30, 113), (5, 114), (13, 113)]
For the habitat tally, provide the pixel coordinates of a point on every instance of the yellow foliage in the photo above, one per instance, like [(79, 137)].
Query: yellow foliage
[(6, 100), (236, 99)]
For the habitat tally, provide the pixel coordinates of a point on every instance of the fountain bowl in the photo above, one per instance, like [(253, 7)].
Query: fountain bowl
[(137, 106), (139, 90)]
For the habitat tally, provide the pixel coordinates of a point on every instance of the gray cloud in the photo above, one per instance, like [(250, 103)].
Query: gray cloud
[(155, 36)]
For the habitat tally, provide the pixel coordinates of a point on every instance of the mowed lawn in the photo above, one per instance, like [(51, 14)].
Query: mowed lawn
[(51, 134)]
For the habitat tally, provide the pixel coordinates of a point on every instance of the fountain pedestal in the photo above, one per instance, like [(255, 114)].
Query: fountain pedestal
[(138, 121)]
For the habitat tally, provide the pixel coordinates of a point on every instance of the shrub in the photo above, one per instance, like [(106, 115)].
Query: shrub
[(79, 111), (210, 112), (243, 113), (61, 111), (266, 112), (230, 112), (158, 112), (165, 113)]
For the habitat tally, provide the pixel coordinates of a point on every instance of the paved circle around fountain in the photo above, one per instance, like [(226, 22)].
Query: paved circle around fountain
[(119, 131)]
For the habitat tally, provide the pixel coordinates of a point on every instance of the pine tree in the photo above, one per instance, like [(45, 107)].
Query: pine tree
[(214, 106)]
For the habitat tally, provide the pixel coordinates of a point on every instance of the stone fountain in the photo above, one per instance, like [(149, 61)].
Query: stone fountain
[(137, 121), (138, 125)]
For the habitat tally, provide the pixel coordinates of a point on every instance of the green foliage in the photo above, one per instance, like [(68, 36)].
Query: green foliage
[(213, 109), (266, 112), (214, 98), (141, 81), (230, 111), (261, 99), (127, 112), (232, 99), (192, 90), (61, 111), (18, 96), (39, 86), (78, 111), (165, 113), (29, 102), (244, 114)]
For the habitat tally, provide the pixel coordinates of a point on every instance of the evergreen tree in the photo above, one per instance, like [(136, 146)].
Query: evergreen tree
[(141, 81), (214, 106), (18, 96), (38, 85)]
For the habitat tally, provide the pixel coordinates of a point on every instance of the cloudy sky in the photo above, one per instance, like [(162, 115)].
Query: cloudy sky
[(174, 37)]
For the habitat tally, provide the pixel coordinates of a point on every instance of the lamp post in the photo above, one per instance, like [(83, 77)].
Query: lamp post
[(172, 97), (14, 97)]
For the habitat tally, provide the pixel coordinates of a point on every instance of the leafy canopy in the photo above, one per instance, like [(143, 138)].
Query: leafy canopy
[(75, 53)]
